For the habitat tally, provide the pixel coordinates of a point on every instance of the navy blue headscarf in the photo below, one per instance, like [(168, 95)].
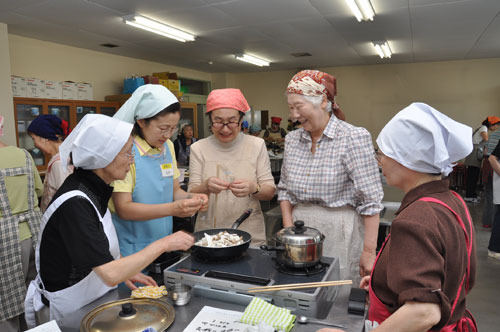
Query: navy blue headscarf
[(49, 126)]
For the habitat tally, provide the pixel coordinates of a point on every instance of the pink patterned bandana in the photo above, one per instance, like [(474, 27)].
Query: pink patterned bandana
[(316, 83)]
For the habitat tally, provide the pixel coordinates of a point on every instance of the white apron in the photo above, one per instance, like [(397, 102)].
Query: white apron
[(344, 233), (68, 300)]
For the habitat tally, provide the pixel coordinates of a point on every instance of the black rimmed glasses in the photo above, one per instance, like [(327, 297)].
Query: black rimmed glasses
[(229, 124)]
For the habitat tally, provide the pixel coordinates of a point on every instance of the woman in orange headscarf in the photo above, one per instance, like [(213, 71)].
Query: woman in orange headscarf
[(232, 168)]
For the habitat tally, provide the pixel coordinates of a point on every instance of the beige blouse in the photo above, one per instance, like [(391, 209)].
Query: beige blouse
[(244, 158)]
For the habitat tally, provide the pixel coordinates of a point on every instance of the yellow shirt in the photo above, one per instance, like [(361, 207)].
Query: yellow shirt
[(127, 185)]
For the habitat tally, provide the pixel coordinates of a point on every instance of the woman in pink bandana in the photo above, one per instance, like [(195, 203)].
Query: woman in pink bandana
[(329, 178), (230, 167)]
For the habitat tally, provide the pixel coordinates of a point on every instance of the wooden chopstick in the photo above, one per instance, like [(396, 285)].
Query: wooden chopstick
[(299, 286), (216, 196)]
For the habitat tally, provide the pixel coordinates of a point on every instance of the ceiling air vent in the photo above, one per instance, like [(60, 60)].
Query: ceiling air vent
[(109, 45), (300, 54)]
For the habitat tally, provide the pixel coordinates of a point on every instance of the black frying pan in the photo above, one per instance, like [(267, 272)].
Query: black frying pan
[(210, 253)]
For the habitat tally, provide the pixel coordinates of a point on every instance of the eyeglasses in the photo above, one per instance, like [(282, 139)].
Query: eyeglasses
[(378, 155), (130, 156), (167, 131), (229, 124)]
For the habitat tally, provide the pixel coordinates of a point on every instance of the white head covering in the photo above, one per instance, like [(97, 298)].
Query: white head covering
[(146, 101), (95, 141), (425, 140)]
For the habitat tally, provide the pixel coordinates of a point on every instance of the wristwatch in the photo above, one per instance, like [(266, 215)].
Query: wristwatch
[(257, 189)]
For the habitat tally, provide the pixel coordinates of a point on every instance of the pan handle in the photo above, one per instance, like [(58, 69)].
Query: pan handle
[(242, 218), (267, 248)]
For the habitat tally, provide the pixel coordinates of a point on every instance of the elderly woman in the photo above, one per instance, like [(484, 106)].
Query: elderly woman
[(78, 258), (231, 167), (182, 144), (48, 132), (329, 178), (150, 194), (427, 265)]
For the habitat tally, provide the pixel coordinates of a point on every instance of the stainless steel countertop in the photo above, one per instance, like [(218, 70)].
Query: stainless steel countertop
[(183, 315)]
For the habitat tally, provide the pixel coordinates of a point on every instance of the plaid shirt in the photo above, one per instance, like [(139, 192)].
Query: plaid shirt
[(343, 170)]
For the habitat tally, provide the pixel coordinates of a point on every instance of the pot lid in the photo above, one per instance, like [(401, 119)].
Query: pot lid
[(299, 235), (129, 315)]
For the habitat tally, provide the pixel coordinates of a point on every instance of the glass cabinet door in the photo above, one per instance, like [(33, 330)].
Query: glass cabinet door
[(25, 114), (81, 111), (60, 111), (109, 111)]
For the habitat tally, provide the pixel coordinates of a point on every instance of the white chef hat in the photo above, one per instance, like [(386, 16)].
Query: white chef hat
[(146, 101), (95, 141), (422, 139)]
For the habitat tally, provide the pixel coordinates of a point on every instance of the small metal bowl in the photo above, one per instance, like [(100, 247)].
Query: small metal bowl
[(180, 294)]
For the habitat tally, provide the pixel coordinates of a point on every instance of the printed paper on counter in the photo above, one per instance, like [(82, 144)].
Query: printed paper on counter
[(47, 327), (211, 319)]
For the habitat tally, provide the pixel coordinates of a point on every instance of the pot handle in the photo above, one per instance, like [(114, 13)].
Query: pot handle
[(242, 218), (267, 248)]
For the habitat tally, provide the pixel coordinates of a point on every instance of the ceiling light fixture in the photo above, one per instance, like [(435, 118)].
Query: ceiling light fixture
[(383, 49), (252, 59), (150, 25), (362, 9)]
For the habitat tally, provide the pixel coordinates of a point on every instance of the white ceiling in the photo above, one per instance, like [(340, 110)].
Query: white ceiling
[(417, 30)]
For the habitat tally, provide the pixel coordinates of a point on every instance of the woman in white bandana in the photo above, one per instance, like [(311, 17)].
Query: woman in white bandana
[(150, 195), (427, 265), (78, 258)]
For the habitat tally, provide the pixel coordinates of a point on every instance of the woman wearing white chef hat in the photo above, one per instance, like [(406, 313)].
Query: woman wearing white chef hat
[(150, 194), (78, 258), (427, 265)]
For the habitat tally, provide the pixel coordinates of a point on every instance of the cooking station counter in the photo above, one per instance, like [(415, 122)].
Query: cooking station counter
[(184, 315), (327, 303)]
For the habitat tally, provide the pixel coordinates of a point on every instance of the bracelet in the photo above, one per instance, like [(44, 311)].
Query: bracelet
[(257, 189)]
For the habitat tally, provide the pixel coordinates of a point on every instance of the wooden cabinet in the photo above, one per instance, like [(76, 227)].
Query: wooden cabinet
[(188, 111), (26, 109)]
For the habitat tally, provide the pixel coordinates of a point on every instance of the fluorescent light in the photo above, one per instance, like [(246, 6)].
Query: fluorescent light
[(362, 9), (355, 9), (252, 59), (158, 28), (383, 49), (387, 50)]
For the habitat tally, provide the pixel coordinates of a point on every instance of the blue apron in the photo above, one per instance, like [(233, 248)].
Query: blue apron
[(150, 188)]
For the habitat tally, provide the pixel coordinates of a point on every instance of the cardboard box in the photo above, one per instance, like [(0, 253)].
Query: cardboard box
[(85, 91), (53, 90), (174, 85), (35, 88), (150, 79), (19, 87), (162, 75), (163, 82), (69, 90)]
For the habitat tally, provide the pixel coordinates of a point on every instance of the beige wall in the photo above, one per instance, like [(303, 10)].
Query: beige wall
[(6, 105), (50, 61), (467, 90)]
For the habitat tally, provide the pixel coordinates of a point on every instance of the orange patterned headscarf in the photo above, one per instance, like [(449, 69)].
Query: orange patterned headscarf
[(316, 83)]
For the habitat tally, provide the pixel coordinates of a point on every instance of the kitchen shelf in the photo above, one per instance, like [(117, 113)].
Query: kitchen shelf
[(27, 109)]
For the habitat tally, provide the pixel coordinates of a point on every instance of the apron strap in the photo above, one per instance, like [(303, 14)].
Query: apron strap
[(468, 243), (31, 182)]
